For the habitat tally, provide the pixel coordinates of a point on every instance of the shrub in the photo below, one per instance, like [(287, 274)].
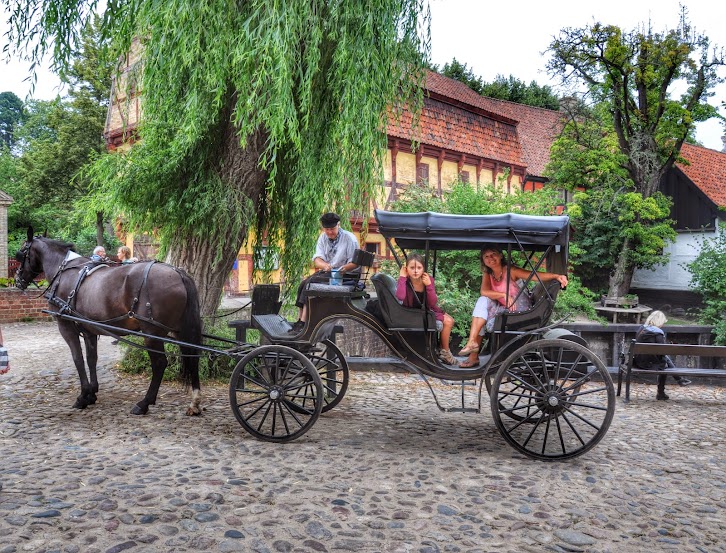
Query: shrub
[(708, 278)]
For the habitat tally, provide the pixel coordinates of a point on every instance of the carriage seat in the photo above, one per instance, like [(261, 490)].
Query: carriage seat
[(543, 302), (396, 316), (354, 283)]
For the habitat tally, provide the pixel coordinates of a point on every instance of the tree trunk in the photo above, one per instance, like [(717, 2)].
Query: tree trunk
[(208, 259), (622, 276), (99, 228)]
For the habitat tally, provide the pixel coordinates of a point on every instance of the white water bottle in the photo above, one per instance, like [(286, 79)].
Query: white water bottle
[(336, 279)]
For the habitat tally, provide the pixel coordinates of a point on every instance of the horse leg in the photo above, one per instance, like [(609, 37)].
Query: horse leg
[(190, 367), (158, 365), (91, 341), (71, 336)]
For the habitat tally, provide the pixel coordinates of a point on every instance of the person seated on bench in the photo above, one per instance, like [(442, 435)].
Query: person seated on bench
[(334, 250), (416, 289), (652, 333), (494, 297)]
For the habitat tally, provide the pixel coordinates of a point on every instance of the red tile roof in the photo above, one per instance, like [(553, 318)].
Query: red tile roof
[(707, 170), (536, 127), (462, 131)]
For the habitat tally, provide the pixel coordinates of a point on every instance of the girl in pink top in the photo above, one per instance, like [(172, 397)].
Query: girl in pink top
[(415, 289), (495, 299)]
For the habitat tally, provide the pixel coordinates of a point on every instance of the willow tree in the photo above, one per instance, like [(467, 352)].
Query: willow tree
[(635, 74), (259, 114)]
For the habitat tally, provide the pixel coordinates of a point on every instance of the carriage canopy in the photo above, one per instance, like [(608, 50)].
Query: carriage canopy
[(444, 231)]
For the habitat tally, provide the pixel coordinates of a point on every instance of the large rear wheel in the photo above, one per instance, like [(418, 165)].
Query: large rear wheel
[(552, 399), (275, 393)]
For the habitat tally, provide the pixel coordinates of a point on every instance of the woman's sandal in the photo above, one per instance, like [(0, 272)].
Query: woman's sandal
[(469, 348), (468, 364)]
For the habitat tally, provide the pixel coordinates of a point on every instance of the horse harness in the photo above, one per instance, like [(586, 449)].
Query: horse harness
[(68, 305)]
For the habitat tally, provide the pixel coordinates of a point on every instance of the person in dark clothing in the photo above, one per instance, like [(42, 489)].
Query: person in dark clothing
[(652, 333)]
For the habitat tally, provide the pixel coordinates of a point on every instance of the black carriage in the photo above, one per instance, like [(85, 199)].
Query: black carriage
[(550, 396)]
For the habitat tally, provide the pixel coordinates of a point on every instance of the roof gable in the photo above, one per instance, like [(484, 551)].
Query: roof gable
[(707, 170)]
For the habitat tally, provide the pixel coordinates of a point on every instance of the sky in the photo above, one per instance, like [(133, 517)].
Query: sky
[(500, 38)]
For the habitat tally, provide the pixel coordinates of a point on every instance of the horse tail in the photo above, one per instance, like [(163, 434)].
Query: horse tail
[(191, 332)]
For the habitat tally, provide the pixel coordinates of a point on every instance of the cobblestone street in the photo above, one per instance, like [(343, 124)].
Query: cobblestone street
[(384, 471)]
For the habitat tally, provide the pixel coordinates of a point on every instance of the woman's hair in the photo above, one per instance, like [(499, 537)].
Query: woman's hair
[(656, 318), (124, 252), (493, 248), (415, 257)]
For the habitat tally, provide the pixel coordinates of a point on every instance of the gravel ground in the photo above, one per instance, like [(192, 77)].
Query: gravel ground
[(383, 471)]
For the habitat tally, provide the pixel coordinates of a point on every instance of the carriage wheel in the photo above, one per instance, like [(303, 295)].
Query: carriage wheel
[(276, 393), (333, 370), (553, 399)]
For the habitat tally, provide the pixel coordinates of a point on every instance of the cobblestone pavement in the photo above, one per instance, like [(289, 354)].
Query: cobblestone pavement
[(384, 471)]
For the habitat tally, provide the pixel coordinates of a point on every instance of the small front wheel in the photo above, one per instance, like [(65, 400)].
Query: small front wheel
[(276, 393), (553, 399)]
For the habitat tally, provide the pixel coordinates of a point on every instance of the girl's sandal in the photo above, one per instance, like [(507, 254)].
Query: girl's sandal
[(469, 348)]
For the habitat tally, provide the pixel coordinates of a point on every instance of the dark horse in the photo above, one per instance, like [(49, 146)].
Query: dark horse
[(149, 297)]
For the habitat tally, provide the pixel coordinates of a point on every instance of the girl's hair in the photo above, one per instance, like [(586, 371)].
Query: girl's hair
[(490, 247), (415, 257), (656, 318), (125, 252)]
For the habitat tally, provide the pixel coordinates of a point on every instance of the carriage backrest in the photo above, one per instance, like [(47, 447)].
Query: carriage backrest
[(266, 299), (395, 315), (543, 303)]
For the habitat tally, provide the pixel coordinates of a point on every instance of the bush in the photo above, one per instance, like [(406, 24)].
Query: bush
[(708, 278)]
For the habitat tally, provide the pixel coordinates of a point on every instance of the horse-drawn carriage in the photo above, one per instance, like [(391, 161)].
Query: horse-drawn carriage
[(550, 396)]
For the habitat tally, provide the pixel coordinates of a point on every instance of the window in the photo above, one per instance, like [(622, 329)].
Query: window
[(372, 247), (422, 173), (464, 176)]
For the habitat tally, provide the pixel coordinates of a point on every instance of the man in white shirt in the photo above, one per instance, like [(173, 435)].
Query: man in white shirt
[(334, 251)]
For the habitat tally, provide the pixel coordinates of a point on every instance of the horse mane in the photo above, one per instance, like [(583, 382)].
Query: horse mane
[(58, 243)]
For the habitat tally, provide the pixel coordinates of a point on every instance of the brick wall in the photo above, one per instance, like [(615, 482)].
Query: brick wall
[(17, 305)]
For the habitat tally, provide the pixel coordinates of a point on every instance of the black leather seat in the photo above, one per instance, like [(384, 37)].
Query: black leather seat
[(543, 303), (396, 316)]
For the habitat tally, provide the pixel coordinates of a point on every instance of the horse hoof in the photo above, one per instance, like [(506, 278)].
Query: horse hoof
[(92, 400), (80, 405), (136, 410), (193, 412)]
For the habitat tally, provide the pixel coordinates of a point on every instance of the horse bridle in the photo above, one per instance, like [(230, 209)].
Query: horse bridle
[(20, 282)]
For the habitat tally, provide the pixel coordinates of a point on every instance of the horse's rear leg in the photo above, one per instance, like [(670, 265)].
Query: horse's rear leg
[(190, 372), (158, 365), (91, 341), (71, 336)]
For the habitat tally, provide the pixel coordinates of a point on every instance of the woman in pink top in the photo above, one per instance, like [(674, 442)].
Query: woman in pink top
[(495, 299), (416, 289)]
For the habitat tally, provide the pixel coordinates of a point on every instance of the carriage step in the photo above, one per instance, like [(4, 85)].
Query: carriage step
[(459, 409), (459, 382), (272, 326)]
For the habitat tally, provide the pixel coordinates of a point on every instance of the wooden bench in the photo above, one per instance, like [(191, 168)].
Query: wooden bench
[(627, 369)]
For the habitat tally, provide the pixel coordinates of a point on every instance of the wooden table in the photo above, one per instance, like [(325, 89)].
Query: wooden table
[(638, 311)]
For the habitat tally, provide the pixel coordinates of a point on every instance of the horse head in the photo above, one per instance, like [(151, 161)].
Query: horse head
[(30, 263)]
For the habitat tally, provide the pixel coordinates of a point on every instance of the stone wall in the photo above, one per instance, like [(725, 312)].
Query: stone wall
[(17, 305)]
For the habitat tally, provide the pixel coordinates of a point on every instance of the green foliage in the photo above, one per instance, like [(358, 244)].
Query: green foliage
[(462, 73), (606, 211), (302, 88), (503, 88), (632, 78), (708, 278), (12, 114), (514, 90)]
